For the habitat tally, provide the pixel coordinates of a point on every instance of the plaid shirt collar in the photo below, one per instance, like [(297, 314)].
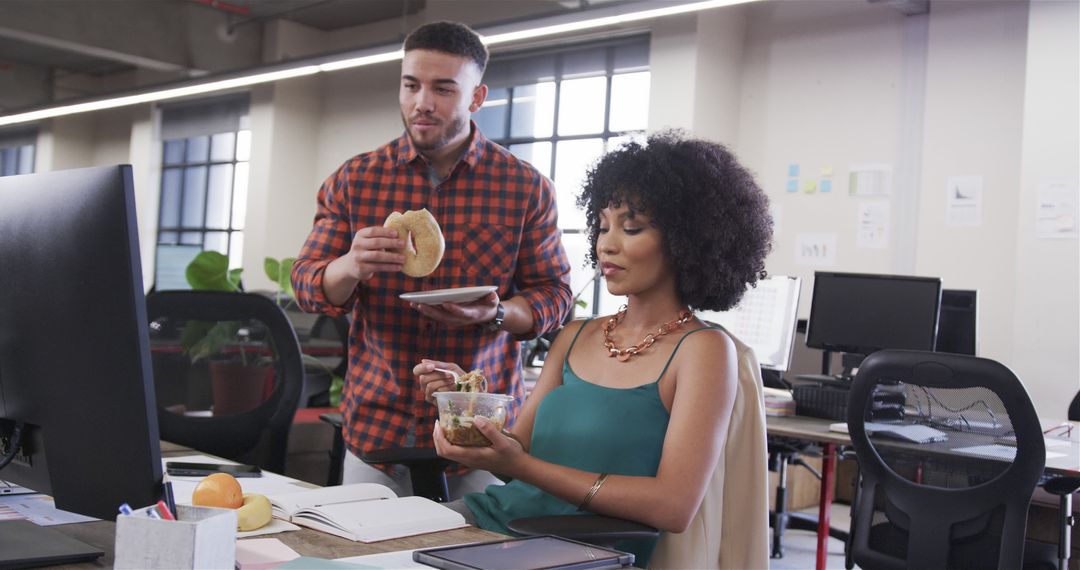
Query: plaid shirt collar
[(407, 153)]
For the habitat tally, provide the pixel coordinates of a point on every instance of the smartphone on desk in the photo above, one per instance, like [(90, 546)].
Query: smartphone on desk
[(184, 469)]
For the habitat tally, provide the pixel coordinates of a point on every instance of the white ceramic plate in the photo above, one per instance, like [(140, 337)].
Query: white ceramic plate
[(458, 295)]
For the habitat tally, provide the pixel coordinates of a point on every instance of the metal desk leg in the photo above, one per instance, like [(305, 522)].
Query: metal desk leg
[(828, 484)]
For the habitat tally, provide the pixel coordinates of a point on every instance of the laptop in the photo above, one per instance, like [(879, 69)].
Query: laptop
[(22, 546)]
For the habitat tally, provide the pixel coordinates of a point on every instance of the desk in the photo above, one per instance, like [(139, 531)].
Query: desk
[(816, 430), (305, 541)]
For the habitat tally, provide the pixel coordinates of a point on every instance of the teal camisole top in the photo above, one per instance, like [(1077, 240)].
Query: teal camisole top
[(589, 427)]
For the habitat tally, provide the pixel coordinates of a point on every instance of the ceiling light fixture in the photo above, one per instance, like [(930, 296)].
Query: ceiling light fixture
[(555, 25)]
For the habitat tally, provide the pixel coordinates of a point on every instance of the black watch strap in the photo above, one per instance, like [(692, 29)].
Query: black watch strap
[(496, 323)]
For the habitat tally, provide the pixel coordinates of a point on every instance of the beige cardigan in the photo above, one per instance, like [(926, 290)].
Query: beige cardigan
[(731, 529)]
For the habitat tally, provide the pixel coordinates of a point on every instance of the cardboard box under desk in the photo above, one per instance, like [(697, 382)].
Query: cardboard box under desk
[(201, 538)]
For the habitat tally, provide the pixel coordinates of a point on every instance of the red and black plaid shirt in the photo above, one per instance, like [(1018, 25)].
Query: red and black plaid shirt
[(498, 215)]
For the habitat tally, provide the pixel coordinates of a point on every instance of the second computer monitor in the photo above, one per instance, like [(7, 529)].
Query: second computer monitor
[(861, 313), (958, 322)]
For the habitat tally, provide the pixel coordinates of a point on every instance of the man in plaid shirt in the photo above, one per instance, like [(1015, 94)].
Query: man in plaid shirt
[(498, 216)]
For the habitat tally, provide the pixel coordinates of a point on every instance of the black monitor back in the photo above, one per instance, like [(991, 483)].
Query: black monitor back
[(958, 322), (74, 349), (861, 313)]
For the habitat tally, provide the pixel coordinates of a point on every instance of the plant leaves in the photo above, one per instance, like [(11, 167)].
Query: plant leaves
[(272, 269), (209, 271), (280, 272), (285, 280)]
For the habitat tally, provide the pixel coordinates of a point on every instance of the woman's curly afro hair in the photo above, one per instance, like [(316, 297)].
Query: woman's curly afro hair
[(713, 217)]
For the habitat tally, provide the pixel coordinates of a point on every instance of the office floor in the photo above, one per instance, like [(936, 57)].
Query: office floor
[(800, 545)]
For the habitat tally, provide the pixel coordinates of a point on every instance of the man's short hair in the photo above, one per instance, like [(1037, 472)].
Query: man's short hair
[(449, 37)]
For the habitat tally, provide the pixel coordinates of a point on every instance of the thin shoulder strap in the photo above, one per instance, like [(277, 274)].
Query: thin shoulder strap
[(566, 359), (677, 345)]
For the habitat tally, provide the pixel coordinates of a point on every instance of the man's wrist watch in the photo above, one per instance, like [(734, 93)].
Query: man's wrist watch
[(496, 323)]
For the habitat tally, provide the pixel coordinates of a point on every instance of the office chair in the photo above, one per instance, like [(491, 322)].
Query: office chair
[(724, 533), (1064, 488), (932, 520), (245, 410)]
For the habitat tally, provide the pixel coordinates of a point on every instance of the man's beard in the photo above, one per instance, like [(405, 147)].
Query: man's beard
[(455, 128)]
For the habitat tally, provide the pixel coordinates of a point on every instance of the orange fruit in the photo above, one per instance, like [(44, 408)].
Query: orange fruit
[(218, 490)]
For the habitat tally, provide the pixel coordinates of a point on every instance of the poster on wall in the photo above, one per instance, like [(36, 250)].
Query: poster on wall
[(868, 180), (818, 250), (963, 201), (1055, 213), (872, 230)]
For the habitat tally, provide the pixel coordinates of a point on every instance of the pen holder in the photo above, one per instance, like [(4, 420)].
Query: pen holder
[(201, 537)]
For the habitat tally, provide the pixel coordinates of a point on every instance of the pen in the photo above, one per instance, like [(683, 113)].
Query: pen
[(125, 509), (168, 492), (152, 513), (164, 511)]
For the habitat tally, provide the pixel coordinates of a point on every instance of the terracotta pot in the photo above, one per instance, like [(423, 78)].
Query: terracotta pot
[(238, 388)]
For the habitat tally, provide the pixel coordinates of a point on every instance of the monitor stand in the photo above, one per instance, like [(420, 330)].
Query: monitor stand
[(850, 362), (24, 544)]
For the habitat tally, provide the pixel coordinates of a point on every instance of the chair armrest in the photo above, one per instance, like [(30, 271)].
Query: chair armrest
[(426, 469), (408, 456), (1062, 485), (594, 529)]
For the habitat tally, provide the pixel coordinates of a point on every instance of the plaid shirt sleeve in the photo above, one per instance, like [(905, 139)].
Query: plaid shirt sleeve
[(543, 276), (330, 238)]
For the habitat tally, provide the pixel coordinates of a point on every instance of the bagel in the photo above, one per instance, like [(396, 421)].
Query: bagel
[(424, 243)]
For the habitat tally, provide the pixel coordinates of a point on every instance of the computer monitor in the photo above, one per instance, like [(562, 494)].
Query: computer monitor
[(860, 313), (74, 349), (958, 322), (765, 320)]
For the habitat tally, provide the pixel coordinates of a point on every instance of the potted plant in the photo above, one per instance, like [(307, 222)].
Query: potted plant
[(239, 379), (280, 271)]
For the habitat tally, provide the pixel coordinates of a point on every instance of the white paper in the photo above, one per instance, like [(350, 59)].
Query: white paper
[(870, 180), (263, 553), (273, 527), (873, 225), (818, 250), (268, 484), (38, 509), (1056, 211), (963, 201)]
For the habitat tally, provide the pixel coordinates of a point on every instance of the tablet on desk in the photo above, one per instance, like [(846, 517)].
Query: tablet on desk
[(185, 469), (530, 552)]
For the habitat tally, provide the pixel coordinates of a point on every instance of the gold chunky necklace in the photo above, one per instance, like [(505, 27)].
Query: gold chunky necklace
[(624, 354)]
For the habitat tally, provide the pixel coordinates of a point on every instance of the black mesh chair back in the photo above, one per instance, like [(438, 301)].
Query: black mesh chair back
[(228, 374), (960, 499)]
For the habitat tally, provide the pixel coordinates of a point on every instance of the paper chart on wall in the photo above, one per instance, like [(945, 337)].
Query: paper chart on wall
[(870, 180), (1056, 211), (873, 225), (818, 250), (963, 201)]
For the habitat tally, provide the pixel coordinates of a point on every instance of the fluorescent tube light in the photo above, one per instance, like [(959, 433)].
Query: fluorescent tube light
[(598, 18), (159, 95)]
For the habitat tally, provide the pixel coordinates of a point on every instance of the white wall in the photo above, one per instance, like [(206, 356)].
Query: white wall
[(975, 87), (1045, 334)]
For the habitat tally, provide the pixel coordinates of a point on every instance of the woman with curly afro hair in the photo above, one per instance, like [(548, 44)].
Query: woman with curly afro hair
[(631, 413)]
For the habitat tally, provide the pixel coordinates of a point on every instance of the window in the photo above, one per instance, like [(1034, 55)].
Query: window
[(561, 110), (17, 151), (204, 181)]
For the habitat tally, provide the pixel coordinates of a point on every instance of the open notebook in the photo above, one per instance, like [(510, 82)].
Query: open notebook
[(364, 512)]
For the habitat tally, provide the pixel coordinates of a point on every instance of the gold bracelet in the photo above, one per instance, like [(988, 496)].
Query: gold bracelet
[(592, 491)]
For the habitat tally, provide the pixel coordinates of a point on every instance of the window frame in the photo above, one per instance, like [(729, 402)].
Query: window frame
[(605, 135)]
